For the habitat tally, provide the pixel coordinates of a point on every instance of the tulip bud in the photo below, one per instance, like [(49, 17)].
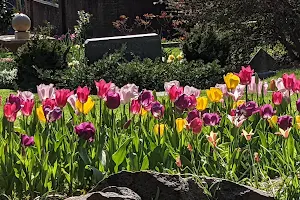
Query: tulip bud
[(273, 85), (113, 100)]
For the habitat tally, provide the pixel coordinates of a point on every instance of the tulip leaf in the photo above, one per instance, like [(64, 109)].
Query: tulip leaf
[(66, 174), (119, 156), (145, 164), (186, 162), (84, 156), (97, 175)]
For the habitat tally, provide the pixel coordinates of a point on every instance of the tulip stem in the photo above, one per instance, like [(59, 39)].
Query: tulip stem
[(253, 166), (246, 93), (100, 120)]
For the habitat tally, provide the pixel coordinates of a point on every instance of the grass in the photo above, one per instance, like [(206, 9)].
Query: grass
[(281, 72), (175, 51)]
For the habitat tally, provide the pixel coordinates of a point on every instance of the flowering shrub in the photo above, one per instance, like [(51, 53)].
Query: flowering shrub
[(69, 140)]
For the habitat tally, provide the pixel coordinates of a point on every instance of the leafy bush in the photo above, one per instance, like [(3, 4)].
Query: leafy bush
[(147, 73), (8, 74), (38, 60), (5, 16), (207, 44)]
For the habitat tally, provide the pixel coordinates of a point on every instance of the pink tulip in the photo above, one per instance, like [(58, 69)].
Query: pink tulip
[(245, 75), (103, 88), (157, 110), (49, 103), (113, 100), (25, 95), (298, 105), (174, 92), (279, 84), (196, 125), (266, 111), (237, 93), (46, 91), (211, 119), (191, 91), (296, 88), (237, 120), (27, 107), (135, 107), (86, 131), (193, 102), (128, 92), (27, 141), (146, 98), (168, 85), (289, 81), (61, 97), (83, 94), (10, 111), (254, 88), (72, 101), (277, 97), (13, 99)]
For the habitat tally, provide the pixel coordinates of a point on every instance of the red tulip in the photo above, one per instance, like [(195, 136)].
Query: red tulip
[(245, 75), (103, 88), (10, 112), (49, 103), (289, 81), (113, 100), (175, 92), (135, 107), (27, 107), (196, 125), (83, 94), (277, 97), (61, 97)]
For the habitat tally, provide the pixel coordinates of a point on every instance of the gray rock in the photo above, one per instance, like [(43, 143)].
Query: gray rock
[(263, 62)]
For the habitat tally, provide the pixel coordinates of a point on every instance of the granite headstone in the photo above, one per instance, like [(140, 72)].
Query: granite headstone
[(263, 62), (142, 45)]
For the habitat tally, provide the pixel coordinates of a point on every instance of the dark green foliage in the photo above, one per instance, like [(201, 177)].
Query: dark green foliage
[(39, 60), (8, 74), (207, 44), (5, 16)]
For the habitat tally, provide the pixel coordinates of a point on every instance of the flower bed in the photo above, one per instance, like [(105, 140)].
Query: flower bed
[(68, 141)]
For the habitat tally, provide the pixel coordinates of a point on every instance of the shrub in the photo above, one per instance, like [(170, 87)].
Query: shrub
[(5, 16), (8, 73), (40, 59), (207, 44)]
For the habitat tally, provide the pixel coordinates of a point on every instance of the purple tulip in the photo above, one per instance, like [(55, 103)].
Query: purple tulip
[(266, 111), (247, 109), (183, 102), (27, 141), (211, 119), (86, 131), (113, 100), (193, 102), (14, 99), (298, 105), (157, 110), (192, 115), (146, 99), (285, 122), (52, 114)]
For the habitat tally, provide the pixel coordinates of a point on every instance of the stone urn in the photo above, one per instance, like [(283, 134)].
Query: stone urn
[(21, 23)]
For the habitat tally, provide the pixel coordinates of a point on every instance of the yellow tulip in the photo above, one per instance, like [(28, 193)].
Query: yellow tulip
[(238, 103), (40, 114), (143, 112), (231, 80), (298, 121), (180, 124), (87, 107), (214, 94), (201, 103), (273, 120), (159, 129)]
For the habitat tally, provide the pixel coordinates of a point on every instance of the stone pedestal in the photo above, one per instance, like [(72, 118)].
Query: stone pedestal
[(22, 35), (11, 43)]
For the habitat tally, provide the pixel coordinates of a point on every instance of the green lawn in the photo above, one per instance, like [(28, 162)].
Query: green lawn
[(281, 72)]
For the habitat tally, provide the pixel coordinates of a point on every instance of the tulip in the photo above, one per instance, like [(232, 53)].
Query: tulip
[(201, 103), (46, 91), (237, 93), (196, 125), (238, 103), (171, 58), (61, 97), (168, 85), (180, 124), (285, 122), (283, 132), (214, 94), (193, 102), (279, 84), (189, 147), (277, 98), (231, 81), (127, 124), (86, 107), (237, 120), (49, 103), (178, 162), (86, 131), (297, 119), (27, 141), (212, 139), (13, 99), (273, 120), (157, 110), (183, 102), (103, 88), (298, 105), (211, 119), (245, 75), (266, 111), (135, 107), (143, 111), (52, 115), (83, 94), (192, 115), (113, 100), (191, 91), (146, 98), (296, 88), (72, 101), (289, 81), (247, 135), (256, 157), (247, 109), (26, 95), (128, 92), (174, 92), (159, 129), (27, 107), (257, 88), (10, 111), (223, 88), (40, 114), (272, 85)]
